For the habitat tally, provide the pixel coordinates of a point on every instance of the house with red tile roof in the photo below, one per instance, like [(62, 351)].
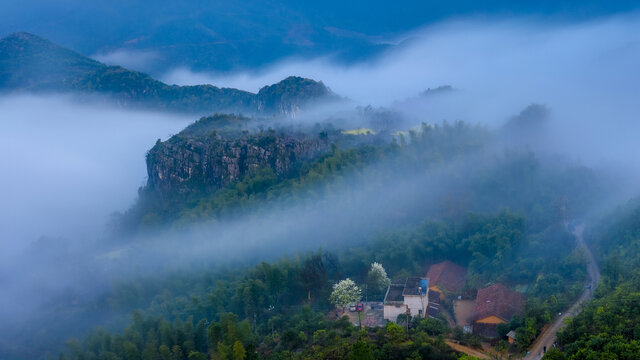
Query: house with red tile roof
[(446, 278), (496, 304)]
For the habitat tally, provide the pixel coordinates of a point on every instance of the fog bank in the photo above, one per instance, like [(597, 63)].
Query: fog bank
[(586, 72), (67, 166)]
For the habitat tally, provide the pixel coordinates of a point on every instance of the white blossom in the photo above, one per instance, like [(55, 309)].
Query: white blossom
[(344, 293)]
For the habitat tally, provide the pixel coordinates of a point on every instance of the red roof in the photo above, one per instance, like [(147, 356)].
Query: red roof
[(498, 300), (447, 275)]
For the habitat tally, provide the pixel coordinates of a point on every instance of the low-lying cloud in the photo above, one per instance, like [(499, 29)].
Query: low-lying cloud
[(67, 166), (586, 72)]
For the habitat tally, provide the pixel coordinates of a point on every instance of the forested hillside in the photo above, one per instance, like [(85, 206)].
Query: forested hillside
[(609, 327), (235, 180), (264, 310), (504, 229), (29, 63)]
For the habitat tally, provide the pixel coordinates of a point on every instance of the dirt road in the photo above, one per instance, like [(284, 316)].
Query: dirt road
[(467, 350), (548, 336)]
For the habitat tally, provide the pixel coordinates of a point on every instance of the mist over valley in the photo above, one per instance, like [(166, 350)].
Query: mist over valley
[(205, 206)]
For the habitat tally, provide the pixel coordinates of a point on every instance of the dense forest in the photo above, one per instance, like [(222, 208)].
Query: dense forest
[(280, 309), (504, 229), (609, 327)]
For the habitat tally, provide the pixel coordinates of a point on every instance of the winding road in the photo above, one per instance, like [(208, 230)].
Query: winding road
[(548, 336)]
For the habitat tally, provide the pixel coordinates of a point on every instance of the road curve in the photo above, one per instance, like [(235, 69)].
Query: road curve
[(548, 336)]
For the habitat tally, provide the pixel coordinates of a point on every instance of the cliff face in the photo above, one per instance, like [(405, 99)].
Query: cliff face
[(197, 158)]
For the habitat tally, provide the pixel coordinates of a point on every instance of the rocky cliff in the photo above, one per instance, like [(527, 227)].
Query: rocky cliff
[(218, 150)]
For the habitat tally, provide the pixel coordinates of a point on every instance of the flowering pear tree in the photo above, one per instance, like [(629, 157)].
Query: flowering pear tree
[(345, 292), (377, 277)]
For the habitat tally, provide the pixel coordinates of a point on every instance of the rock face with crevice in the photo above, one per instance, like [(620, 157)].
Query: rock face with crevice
[(217, 151)]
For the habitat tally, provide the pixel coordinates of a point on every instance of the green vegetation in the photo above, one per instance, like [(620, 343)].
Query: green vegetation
[(268, 304), (504, 218), (302, 335), (609, 327), (345, 166), (503, 215), (506, 225)]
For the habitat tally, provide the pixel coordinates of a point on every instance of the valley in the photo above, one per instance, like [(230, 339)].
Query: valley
[(440, 203)]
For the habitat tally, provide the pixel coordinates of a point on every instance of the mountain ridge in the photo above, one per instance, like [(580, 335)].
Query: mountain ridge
[(29, 63)]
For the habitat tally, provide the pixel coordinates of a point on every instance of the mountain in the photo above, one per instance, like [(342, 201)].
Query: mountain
[(287, 96), (225, 35), (32, 64)]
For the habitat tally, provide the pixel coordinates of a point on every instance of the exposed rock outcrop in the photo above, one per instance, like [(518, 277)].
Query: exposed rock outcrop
[(211, 154)]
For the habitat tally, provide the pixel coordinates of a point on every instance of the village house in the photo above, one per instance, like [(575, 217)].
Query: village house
[(446, 278), (411, 297), (495, 305)]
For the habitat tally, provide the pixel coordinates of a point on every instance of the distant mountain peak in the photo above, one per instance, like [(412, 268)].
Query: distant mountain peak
[(29, 41), (22, 35), (29, 62), (25, 35), (289, 95)]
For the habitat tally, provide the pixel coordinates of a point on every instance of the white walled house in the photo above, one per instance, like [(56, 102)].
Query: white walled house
[(416, 296), (412, 295)]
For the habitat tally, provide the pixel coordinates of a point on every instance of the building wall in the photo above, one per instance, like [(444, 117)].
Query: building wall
[(415, 303), (392, 311), (486, 330), (487, 327)]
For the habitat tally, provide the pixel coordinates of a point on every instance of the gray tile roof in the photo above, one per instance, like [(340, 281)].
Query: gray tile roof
[(394, 294), (412, 285)]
